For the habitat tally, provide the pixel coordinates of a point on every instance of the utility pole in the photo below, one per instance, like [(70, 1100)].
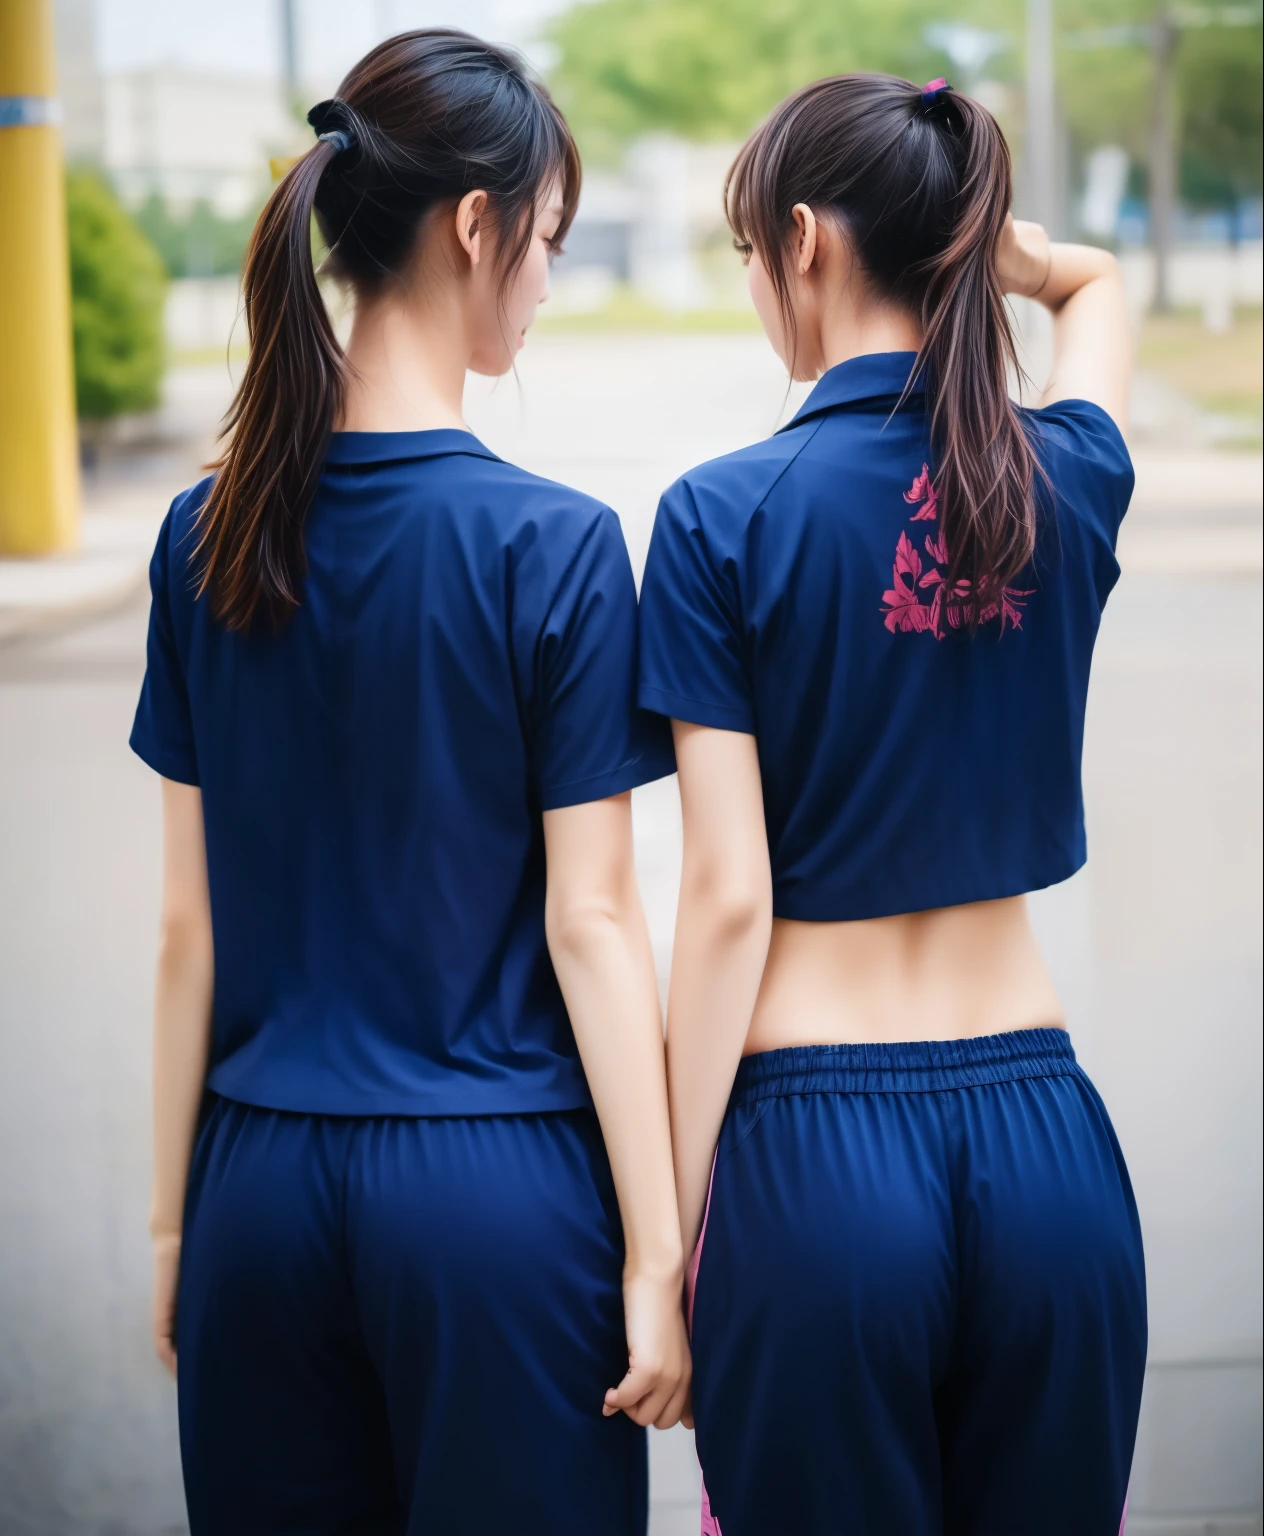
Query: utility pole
[(1040, 150), (39, 450), (289, 57), (1162, 153)]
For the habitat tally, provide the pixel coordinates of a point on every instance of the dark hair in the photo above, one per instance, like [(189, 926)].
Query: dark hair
[(424, 118), (920, 184)]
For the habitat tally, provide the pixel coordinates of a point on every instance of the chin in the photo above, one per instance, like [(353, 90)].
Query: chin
[(496, 367)]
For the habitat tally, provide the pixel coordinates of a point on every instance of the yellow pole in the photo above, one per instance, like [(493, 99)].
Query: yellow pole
[(39, 458)]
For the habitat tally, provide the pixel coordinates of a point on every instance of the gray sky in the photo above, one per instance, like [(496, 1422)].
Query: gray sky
[(243, 36)]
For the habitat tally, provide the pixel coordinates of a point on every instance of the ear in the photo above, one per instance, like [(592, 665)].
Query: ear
[(471, 212), (805, 237)]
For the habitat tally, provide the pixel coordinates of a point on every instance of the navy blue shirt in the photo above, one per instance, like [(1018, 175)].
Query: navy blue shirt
[(373, 777), (792, 591)]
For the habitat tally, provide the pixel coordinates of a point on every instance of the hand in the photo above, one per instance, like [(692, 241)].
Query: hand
[(1023, 258), (656, 1387), (166, 1284)]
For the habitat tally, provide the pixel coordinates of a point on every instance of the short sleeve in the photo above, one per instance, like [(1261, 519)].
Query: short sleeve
[(591, 740), (693, 661), (1088, 461), (162, 734)]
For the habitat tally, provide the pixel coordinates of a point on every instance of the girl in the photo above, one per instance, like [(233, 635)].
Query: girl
[(920, 1302), (390, 693)]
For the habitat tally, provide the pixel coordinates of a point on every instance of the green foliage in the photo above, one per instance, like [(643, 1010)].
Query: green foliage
[(710, 69), (200, 243), (118, 285), (1221, 86), (1107, 93)]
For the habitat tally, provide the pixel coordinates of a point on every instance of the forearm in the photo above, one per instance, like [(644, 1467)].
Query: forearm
[(182, 1027), (605, 967), (1092, 338), (716, 972), (1083, 289), (1069, 269)]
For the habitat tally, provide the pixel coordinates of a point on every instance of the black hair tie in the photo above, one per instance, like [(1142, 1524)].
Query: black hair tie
[(332, 122)]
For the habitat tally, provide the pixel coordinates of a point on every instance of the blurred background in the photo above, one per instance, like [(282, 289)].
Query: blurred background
[(1133, 124)]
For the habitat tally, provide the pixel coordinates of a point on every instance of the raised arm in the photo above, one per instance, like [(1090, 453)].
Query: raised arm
[(601, 952), (1081, 286), (182, 1033), (723, 927)]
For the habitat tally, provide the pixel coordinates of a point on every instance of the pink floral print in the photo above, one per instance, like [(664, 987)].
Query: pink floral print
[(923, 490), (917, 600)]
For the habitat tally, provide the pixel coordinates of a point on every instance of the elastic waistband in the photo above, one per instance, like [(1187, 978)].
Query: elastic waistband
[(914, 1066)]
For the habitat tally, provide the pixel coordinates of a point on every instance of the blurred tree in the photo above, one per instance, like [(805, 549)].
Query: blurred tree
[(200, 242), (710, 69), (118, 285), (1105, 80), (1221, 82)]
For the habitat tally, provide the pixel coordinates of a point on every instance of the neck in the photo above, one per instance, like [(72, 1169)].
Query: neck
[(855, 330), (407, 366)]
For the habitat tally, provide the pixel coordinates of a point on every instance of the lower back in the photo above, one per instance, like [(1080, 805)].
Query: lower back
[(945, 974)]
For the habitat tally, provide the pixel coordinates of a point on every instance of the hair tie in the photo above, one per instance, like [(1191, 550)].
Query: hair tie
[(329, 119), (932, 91)]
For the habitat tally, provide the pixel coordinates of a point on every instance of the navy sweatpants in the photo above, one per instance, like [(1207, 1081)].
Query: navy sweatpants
[(399, 1325), (920, 1302)]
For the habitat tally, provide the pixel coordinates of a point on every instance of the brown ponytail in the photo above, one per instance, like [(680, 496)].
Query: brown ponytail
[(920, 183), (424, 118)]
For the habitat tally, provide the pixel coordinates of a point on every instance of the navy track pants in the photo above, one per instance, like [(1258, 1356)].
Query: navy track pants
[(920, 1299), (404, 1326)]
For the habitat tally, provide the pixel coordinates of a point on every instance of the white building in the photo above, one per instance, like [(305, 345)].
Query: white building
[(190, 136)]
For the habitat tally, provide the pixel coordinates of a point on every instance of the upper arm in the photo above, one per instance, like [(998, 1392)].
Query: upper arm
[(162, 733), (1093, 347), (589, 860), (186, 897), (722, 807), (693, 654)]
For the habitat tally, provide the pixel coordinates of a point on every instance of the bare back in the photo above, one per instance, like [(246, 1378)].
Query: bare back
[(939, 975)]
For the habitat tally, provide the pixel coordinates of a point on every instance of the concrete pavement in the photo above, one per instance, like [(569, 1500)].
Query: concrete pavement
[(1156, 946)]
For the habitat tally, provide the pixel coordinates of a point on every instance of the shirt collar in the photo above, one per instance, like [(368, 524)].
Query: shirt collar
[(874, 376), (392, 447)]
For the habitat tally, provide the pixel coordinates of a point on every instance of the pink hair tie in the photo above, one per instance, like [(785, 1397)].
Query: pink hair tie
[(932, 91)]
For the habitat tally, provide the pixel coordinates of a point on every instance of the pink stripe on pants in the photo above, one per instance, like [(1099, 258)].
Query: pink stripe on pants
[(710, 1525)]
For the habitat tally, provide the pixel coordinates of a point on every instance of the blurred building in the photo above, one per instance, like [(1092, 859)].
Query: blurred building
[(192, 137), (78, 78)]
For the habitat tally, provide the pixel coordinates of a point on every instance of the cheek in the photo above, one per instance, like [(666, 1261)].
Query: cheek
[(764, 299), (530, 285)]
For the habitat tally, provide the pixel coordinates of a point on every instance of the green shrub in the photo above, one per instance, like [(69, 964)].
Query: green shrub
[(118, 287)]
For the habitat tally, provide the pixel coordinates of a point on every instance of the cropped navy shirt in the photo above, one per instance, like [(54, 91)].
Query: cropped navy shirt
[(374, 774), (793, 591)]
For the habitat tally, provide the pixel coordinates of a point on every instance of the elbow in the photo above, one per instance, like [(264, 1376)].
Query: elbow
[(575, 927), (184, 940), (733, 908)]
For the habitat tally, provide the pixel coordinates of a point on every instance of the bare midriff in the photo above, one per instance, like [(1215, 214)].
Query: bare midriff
[(947, 974)]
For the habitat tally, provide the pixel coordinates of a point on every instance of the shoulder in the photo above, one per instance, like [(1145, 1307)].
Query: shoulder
[(177, 540), (531, 509), (1077, 433), (724, 493), (1086, 458)]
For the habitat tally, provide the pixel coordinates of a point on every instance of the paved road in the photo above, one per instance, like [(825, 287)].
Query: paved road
[(1156, 945)]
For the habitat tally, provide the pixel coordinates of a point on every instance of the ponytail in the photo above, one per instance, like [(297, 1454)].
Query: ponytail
[(985, 464), (423, 119), (250, 543), (920, 183)]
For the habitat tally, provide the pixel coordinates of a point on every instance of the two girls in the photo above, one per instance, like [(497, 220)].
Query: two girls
[(414, 1186)]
